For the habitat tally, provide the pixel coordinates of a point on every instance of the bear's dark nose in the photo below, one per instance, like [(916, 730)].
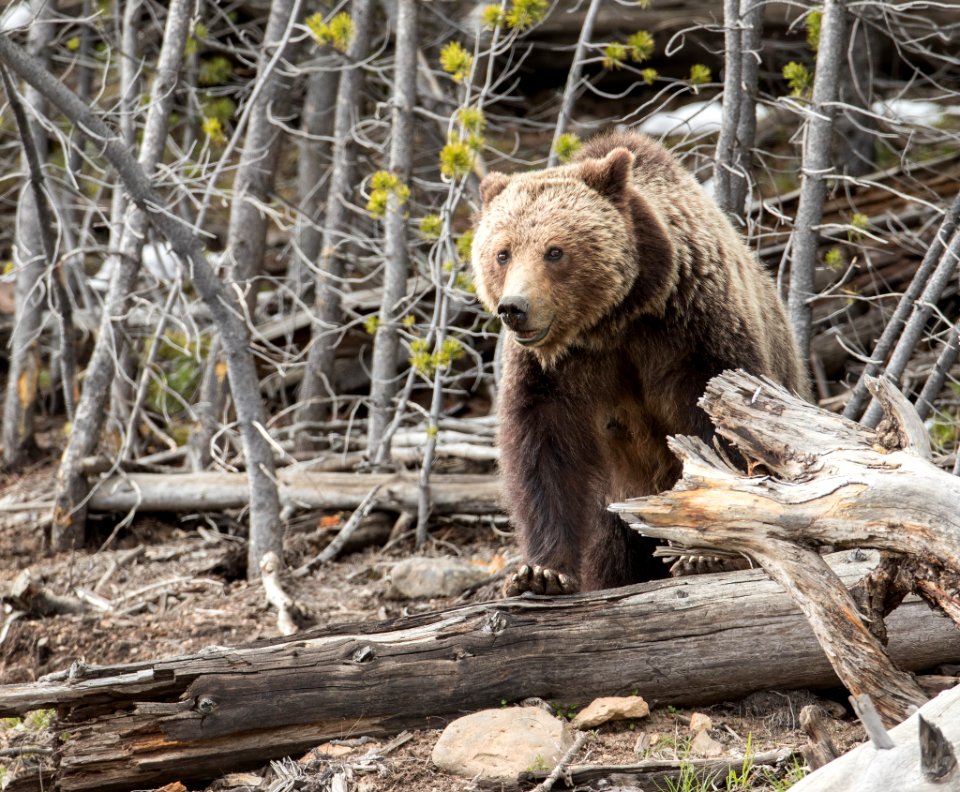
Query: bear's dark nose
[(513, 311)]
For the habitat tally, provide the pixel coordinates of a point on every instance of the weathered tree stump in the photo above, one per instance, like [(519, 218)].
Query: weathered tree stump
[(816, 479)]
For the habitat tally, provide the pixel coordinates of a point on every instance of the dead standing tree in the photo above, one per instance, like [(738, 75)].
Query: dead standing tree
[(72, 489), (815, 166), (33, 252), (247, 231), (223, 306), (318, 379), (386, 343)]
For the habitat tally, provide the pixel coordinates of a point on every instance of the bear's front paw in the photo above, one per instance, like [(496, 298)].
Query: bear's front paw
[(539, 580)]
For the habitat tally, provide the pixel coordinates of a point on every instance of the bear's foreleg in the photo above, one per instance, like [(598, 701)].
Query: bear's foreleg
[(552, 488)]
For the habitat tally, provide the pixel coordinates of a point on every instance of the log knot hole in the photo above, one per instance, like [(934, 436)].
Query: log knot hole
[(494, 622), (205, 705), (364, 654)]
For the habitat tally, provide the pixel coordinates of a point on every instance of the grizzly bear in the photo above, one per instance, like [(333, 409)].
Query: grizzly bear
[(625, 289)]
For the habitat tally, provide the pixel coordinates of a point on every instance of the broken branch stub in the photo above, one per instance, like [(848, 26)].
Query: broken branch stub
[(830, 482)]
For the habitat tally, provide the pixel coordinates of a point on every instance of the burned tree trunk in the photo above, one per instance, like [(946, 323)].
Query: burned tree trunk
[(826, 481)]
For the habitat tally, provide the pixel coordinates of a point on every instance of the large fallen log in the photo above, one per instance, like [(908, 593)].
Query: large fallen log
[(188, 492), (688, 641), (820, 480)]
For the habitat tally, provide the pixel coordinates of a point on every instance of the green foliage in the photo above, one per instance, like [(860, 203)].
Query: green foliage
[(944, 431), (539, 765), (72, 43), (213, 129), (408, 321), (798, 77), (524, 14), (214, 71), (812, 24), (649, 75), (565, 711), (40, 719), (371, 323), (471, 119), (641, 46), (456, 159), (426, 363), (456, 61), (860, 223), (465, 244), (614, 55), (833, 258), (491, 16), (699, 74), (178, 370), (220, 107), (384, 184), (740, 781), (431, 226), (338, 32), (568, 144)]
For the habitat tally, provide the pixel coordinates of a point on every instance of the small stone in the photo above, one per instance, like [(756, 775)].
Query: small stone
[(610, 708), (499, 744), (700, 723), (703, 745), (435, 577)]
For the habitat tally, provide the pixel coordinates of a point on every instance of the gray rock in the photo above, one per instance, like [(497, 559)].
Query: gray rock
[(435, 577), (499, 744)]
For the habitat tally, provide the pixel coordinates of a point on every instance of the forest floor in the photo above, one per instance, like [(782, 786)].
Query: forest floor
[(177, 585)]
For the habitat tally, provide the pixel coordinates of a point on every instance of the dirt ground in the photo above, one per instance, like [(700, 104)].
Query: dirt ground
[(176, 585)]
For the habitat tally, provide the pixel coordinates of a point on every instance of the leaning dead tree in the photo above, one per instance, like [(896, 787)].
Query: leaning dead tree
[(817, 480), (692, 640)]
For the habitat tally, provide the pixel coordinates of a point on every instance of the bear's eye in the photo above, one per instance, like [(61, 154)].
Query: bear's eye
[(503, 256), (554, 254)]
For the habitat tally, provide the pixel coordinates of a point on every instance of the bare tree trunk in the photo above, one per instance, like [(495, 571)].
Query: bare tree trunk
[(573, 81), (313, 167), (318, 378), (70, 512), (743, 22), (933, 261), (922, 310), (224, 307), (247, 232), (386, 344), (33, 252), (816, 166)]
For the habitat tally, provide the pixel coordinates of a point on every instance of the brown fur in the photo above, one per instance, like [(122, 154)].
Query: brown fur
[(654, 294)]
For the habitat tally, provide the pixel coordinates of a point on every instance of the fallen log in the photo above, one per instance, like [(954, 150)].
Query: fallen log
[(299, 489), (687, 641), (825, 481)]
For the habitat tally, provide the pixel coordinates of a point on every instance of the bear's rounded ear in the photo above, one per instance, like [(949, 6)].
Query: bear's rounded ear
[(492, 185), (609, 176)]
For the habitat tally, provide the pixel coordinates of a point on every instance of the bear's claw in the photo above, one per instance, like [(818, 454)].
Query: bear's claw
[(539, 580)]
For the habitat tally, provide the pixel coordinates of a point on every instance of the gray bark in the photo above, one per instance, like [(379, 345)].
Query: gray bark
[(223, 306), (386, 344), (314, 162), (816, 167), (743, 21), (318, 378), (247, 231), (69, 516), (933, 261), (922, 311), (573, 80), (32, 253)]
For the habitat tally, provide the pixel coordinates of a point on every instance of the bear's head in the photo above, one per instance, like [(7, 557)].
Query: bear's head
[(560, 251)]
